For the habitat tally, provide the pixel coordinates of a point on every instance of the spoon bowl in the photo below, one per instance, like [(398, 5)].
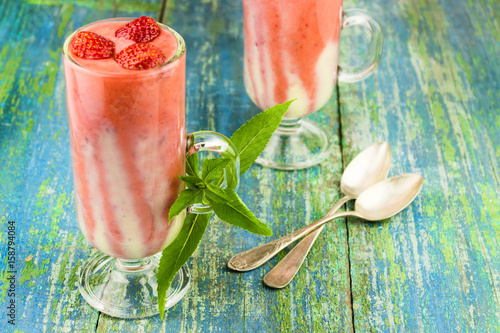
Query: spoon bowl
[(388, 197), (366, 169)]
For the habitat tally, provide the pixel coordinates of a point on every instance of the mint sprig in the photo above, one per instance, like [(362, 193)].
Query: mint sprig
[(228, 206), (213, 168), (186, 198), (253, 136), (178, 253), (192, 165), (250, 140)]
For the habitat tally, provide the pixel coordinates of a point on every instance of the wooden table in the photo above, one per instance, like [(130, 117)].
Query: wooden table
[(435, 267)]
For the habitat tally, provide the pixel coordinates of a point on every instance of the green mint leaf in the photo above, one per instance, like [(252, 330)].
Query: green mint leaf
[(192, 182), (178, 253), (213, 169), (231, 176), (228, 206), (185, 199), (230, 172), (253, 136), (192, 165)]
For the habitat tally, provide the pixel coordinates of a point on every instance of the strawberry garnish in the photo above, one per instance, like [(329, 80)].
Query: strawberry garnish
[(141, 30), (140, 56), (89, 45)]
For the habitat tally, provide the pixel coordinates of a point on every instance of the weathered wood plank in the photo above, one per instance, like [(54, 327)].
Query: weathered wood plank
[(435, 98), (36, 189), (436, 266)]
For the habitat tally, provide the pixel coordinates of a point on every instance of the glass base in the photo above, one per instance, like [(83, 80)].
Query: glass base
[(127, 288), (296, 144)]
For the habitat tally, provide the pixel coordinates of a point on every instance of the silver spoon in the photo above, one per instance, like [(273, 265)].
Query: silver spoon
[(366, 169), (376, 203)]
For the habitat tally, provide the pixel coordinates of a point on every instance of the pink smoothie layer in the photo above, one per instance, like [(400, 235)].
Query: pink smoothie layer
[(291, 50), (128, 142)]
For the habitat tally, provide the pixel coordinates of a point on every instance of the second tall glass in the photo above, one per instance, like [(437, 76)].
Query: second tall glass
[(291, 51)]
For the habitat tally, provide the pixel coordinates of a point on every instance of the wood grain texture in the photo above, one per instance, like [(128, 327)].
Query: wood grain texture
[(435, 98)]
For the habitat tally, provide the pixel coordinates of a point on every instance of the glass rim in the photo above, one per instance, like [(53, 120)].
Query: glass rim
[(181, 49)]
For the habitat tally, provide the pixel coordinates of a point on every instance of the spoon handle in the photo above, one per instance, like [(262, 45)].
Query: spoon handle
[(281, 275), (253, 258)]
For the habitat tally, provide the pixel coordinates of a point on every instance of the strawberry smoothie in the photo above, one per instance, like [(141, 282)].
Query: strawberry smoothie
[(291, 50), (128, 140)]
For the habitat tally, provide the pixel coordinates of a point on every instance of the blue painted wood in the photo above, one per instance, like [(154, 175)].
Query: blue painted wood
[(435, 99)]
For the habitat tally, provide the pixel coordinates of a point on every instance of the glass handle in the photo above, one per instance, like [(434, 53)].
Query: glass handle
[(360, 17), (215, 142)]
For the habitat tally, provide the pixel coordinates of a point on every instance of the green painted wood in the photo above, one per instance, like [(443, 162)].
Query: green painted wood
[(435, 99)]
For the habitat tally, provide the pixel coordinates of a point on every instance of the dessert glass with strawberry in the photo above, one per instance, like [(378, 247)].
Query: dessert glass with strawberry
[(125, 85), (291, 51)]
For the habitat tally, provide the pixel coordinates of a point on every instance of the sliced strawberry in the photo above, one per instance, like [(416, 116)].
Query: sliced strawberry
[(140, 56), (141, 30), (89, 45)]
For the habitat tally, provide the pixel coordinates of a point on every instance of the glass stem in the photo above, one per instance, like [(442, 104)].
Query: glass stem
[(133, 265), (289, 125)]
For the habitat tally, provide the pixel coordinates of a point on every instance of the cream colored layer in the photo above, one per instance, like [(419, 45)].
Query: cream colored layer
[(260, 89), (121, 200)]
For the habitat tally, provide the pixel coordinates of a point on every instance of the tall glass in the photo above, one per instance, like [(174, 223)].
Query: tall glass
[(128, 147), (291, 51)]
